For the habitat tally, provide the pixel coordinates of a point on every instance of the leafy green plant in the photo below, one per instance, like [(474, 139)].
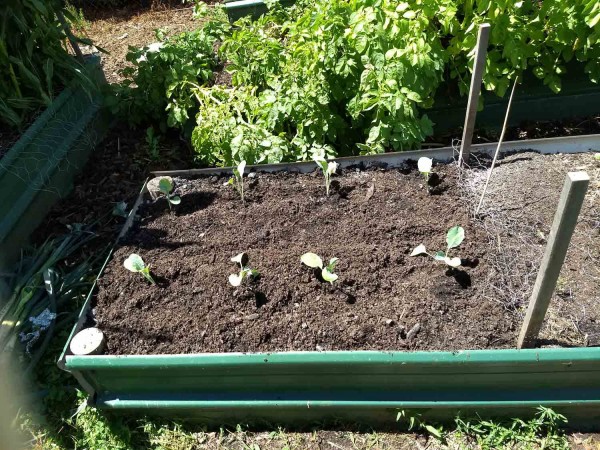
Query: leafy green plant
[(314, 261), (245, 271), (328, 169), (135, 263), (79, 24), (333, 77), (424, 165), (237, 180), (166, 187), (152, 143), (454, 238), (158, 84)]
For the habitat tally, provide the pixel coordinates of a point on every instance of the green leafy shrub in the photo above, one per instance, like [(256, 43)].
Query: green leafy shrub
[(327, 78), (158, 86)]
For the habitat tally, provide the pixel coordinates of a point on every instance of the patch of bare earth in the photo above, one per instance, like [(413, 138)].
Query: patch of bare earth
[(118, 29), (518, 213)]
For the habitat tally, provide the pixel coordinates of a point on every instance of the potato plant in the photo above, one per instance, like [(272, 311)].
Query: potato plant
[(338, 77)]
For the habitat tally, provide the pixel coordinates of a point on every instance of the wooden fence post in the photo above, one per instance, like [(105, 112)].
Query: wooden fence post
[(478, 69), (565, 219)]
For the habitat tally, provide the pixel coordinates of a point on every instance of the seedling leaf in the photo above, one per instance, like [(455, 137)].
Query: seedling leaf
[(452, 262), (165, 186), (241, 167), (312, 260), (419, 250), (321, 163), (242, 259), (235, 280), (424, 164), (455, 236), (440, 256), (332, 263), (134, 263), (328, 276), (175, 200), (332, 167)]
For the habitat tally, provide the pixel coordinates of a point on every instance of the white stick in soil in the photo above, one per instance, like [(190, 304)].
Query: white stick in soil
[(487, 182), (478, 68), (565, 219)]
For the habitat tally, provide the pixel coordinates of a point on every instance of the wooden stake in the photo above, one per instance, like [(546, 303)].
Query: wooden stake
[(478, 69), (565, 219), (512, 93)]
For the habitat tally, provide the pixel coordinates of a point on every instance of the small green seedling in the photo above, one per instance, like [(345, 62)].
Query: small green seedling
[(135, 263), (245, 271), (454, 237), (597, 156), (424, 164), (237, 180), (165, 186), (313, 260), (328, 170)]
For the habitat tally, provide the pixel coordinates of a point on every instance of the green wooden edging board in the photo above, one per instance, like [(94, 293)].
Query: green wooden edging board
[(39, 168), (365, 387)]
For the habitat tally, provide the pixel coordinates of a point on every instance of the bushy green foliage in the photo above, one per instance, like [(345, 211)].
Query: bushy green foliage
[(326, 78), (163, 75)]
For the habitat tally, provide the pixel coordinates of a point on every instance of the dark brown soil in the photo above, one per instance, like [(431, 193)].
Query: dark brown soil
[(381, 295)]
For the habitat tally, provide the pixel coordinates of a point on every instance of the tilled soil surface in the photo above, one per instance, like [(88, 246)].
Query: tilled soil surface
[(384, 299)]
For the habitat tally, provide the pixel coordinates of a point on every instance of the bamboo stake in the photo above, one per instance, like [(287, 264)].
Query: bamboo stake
[(487, 182), (565, 219), (476, 79)]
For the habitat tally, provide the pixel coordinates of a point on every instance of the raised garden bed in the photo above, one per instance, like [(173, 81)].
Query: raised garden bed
[(39, 168), (193, 309)]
